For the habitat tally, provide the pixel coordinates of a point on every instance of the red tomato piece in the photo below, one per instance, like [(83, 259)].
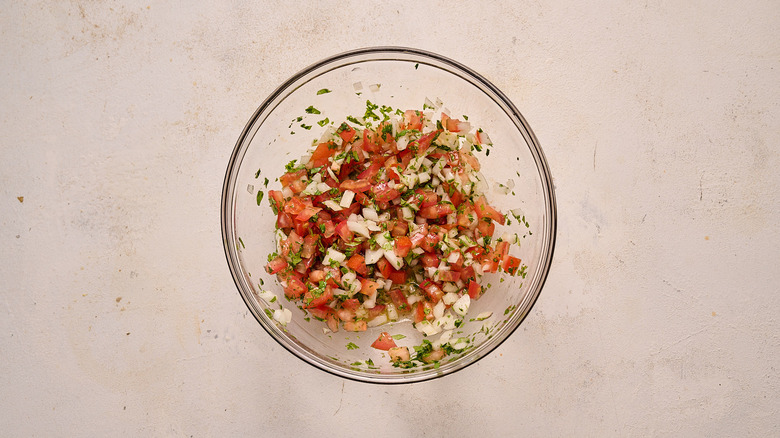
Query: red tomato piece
[(351, 304), (384, 342), (482, 209), (355, 326), (368, 287), (423, 311), (343, 231), (432, 290), (376, 311), (276, 265), (358, 186), (397, 277), (474, 290), (358, 264), (295, 288), (321, 312), (384, 267), (385, 192), (403, 245), (289, 177), (511, 264), (485, 227), (429, 260), (429, 242), (294, 206), (321, 155), (310, 300), (449, 275), (347, 135), (307, 213), (412, 120), (399, 299)]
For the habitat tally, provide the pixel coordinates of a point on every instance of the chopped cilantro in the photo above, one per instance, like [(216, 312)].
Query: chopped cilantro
[(257, 173), (398, 337), (352, 346), (260, 196), (323, 122), (323, 91), (241, 242), (312, 110)]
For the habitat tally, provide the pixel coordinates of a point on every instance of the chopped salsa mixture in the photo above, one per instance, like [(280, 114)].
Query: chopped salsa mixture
[(387, 220)]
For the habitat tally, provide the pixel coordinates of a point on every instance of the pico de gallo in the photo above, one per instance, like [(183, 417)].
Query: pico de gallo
[(387, 219)]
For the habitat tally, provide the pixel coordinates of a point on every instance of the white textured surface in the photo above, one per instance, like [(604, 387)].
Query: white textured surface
[(660, 121)]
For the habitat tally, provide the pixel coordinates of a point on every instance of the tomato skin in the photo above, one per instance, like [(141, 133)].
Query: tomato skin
[(412, 120), (397, 277), (467, 274), (429, 260), (429, 242), (307, 213), (384, 342), (343, 232), (289, 177), (294, 206), (351, 304), (376, 311), (399, 300)]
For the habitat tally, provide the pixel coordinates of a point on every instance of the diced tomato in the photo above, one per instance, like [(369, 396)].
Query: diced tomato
[(345, 314), (403, 245), (321, 154), (294, 206), (412, 120), (310, 300), (397, 277), (449, 275), (358, 264), (485, 227), (429, 260), (328, 229), (474, 290), (399, 299), (399, 228), (482, 209), (276, 198), (384, 267), (429, 242), (321, 312), (355, 326), (436, 211), (399, 354), (458, 263), (385, 192), (295, 288), (384, 342), (422, 144), (302, 227), (307, 213), (309, 245), (343, 231), (376, 311), (276, 265), (347, 135), (511, 264), (418, 236), (368, 287), (289, 177), (370, 143), (423, 311), (467, 274), (432, 290), (358, 186), (333, 323), (351, 304)]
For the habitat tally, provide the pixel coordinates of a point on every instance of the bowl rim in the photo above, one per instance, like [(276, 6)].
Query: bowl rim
[(513, 112)]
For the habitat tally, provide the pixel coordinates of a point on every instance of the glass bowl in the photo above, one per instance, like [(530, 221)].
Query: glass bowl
[(402, 78)]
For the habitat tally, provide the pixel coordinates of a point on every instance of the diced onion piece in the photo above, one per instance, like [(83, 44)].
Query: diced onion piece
[(331, 204), (373, 255), (461, 307), (392, 312), (378, 320), (268, 296), (407, 213), (360, 228), (370, 213), (443, 339), (423, 177), (346, 198), (283, 316), (438, 310), (483, 316), (460, 343), (402, 143), (449, 298), (333, 256), (392, 257), (427, 328)]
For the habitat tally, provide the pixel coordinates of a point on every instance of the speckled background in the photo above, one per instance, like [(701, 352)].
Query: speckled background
[(661, 124)]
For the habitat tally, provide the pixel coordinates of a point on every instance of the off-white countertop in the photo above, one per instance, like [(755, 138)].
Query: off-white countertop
[(661, 125)]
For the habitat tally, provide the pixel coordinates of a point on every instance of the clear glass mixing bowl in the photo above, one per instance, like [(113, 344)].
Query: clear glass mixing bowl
[(402, 78)]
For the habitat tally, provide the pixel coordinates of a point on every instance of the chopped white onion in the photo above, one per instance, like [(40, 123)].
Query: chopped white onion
[(373, 255), (333, 256), (346, 198), (370, 213), (331, 204), (360, 228), (461, 307)]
